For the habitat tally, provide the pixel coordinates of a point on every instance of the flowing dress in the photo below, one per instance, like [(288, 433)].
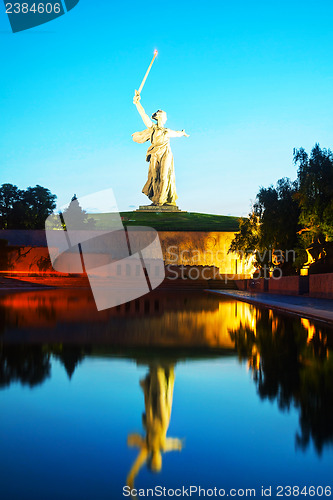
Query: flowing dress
[(161, 184)]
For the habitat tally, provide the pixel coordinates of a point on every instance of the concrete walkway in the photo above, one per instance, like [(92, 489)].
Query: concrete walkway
[(318, 309)]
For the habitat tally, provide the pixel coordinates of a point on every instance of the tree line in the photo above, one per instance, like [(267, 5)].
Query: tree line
[(25, 209), (294, 217), (29, 209)]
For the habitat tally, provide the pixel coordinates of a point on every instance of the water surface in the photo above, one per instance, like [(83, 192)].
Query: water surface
[(172, 390)]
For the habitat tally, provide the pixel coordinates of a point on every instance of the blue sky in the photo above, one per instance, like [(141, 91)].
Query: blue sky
[(249, 81)]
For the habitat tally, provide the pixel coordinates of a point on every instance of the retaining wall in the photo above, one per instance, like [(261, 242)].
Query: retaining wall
[(287, 285), (180, 248), (315, 285), (321, 286)]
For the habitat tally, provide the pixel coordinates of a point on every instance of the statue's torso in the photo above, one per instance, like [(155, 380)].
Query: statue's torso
[(159, 136)]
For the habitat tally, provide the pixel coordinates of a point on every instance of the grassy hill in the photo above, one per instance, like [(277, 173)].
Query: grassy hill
[(161, 221)]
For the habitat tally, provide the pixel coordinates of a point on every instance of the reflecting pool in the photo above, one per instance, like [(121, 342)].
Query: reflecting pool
[(172, 390)]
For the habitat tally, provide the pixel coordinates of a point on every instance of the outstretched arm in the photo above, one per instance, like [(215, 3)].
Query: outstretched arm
[(135, 440), (146, 120), (177, 133), (173, 444)]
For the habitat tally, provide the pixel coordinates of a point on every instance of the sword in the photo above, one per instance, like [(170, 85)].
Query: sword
[(138, 92)]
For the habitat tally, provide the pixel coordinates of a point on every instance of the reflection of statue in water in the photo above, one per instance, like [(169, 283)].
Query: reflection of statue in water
[(161, 185), (158, 391)]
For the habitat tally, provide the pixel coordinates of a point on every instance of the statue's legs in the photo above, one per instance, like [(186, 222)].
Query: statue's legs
[(148, 188), (164, 185)]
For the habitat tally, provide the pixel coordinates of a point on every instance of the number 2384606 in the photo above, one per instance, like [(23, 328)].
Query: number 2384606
[(35, 8), (299, 491)]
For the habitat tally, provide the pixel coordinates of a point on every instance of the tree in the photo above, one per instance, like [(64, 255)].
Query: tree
[(10, 195), (77, 217), (270, 231), (279, 212), (38, 203), (294, 216), (25, 209), (246, 242), (315, 194)]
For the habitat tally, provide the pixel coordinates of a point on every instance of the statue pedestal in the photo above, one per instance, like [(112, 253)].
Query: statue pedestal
[(161, 208)]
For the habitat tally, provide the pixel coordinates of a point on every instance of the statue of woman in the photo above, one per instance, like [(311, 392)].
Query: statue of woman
[(161, 184)]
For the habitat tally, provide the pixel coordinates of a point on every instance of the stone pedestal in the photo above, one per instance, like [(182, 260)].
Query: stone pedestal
[(157, 208)]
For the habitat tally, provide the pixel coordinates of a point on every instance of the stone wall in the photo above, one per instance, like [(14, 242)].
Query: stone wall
[(28, 252), (321, 286), (288, 285), (315, 285), (202, 249), (28, 259)]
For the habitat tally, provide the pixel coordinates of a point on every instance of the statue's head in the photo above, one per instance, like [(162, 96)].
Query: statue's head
[(160, 116)]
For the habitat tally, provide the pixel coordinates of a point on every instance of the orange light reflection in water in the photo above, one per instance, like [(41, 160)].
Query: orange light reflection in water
[(161, 318)]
